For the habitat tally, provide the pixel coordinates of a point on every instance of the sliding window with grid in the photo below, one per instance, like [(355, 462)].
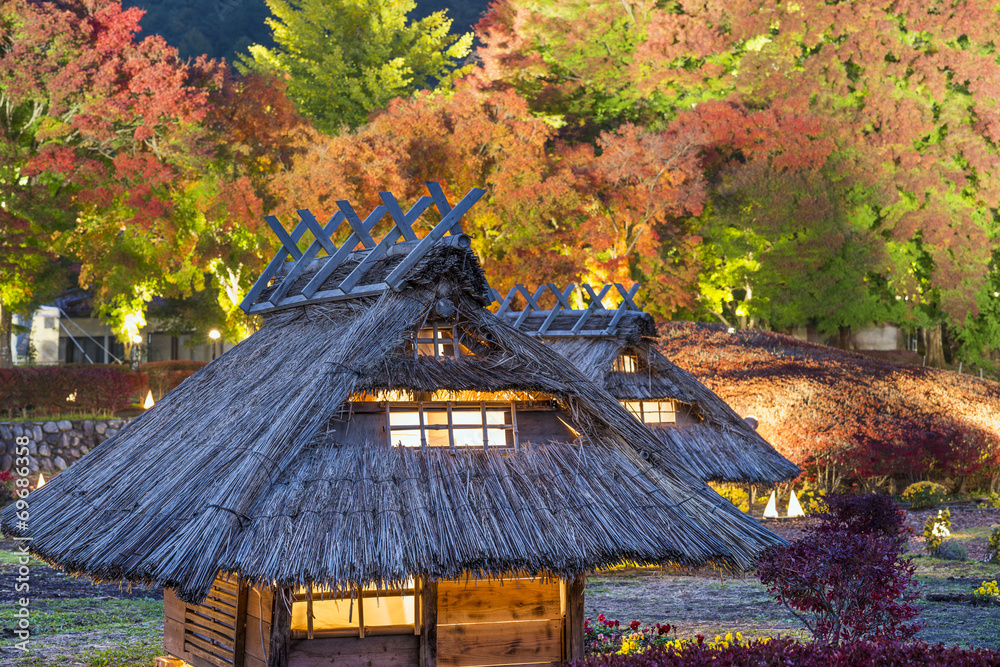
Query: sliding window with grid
[(653, 412), (452, 424), (319, 613), (439, 340)]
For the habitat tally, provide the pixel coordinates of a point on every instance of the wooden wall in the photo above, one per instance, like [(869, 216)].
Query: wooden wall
[(223, 631), (378, 651), (516, 621)]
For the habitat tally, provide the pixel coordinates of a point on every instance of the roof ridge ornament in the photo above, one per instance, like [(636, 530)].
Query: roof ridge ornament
[(399, 239), (562, 307)]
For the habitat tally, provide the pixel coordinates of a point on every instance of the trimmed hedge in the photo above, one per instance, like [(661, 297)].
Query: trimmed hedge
[(783, 651), (56, 389), (164, 376)]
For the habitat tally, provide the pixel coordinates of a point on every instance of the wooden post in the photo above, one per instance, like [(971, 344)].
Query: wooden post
[(240, 637), (574, 618), (281, 628), (428, 632)]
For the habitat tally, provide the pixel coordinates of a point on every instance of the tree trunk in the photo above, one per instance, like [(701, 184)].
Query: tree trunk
[(6, 324), (933, 346), (844, 338)]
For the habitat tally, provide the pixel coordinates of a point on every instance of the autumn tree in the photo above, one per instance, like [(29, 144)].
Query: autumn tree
[(641, 189), (103, 129), (346, 58)]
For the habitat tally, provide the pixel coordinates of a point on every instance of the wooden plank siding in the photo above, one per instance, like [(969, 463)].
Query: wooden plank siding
[(510, 643), (378, 651), (517, 621), (224, 631)]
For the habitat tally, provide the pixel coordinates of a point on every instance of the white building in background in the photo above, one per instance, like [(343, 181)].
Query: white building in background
[(65, 332)]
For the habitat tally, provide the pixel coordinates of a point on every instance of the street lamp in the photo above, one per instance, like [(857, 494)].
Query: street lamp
[(214, 335), (136, 342)]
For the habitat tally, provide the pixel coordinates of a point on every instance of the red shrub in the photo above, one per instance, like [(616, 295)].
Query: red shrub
[(865, 513), (784, 651), (56, 389), (845, 579), (164, 376)]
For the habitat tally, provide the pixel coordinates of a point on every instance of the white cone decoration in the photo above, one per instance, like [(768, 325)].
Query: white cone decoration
[(41, 481), (149, 400), (794, 508), (771, 511)]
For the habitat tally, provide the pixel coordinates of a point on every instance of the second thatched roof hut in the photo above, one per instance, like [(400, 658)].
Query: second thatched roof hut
[(616, 348)]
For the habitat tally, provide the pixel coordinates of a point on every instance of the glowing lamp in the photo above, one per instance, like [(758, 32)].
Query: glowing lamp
[(41, 481), (771, 511), (794, 508), (214, 334), (149, 402), (137, 339)]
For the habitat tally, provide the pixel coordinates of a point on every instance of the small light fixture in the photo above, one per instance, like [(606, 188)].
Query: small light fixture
[(771, 511), (214, 334), (149, 402), (41, 481), (137, 339)]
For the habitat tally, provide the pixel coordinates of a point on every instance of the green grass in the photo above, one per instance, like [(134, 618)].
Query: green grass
[(53, 617), (11, 558), (92, 632), (67, 416)]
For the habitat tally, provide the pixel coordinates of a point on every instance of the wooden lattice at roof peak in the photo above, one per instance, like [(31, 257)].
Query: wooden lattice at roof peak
[(273, 289), (562, 319)]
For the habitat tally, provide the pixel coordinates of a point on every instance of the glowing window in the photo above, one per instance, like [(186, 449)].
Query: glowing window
[(317, 612), (452, 424), (438, 340), (653, 412), (626, 363)]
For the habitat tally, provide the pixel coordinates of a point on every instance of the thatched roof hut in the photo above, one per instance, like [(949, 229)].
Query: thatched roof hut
[(616, 348), (382, 431)]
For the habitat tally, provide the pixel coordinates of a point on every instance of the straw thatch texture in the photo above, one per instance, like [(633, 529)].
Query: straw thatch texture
[(234, 469), (721, 447)]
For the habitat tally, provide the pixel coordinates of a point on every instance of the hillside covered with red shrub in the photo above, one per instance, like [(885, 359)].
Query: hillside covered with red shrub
[(842, 415)]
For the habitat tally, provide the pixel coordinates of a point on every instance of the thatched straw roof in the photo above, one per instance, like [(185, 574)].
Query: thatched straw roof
[(846, 413), (720, 446), (238, 469)]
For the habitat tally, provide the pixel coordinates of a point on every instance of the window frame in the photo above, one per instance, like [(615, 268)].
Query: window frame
[(357, 595), (449, 408), (627, 404)]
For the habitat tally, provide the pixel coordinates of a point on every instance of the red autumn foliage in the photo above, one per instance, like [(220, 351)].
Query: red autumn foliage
[(56, 389), (827, 409), (845, 579)]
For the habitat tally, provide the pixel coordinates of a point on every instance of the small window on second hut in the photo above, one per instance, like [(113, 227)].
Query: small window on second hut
[(452, 424), (626, 363), (318, 613), (438, 340), (653, 412)]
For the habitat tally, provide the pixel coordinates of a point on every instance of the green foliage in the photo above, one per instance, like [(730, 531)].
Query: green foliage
[(937, 530), (347, 58), (951, 550), (924, 495)]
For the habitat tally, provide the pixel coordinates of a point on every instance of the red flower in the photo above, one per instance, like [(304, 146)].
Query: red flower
[(634, 625)]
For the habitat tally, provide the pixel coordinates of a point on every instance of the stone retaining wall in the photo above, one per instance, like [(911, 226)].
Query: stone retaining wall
[(54, 445)]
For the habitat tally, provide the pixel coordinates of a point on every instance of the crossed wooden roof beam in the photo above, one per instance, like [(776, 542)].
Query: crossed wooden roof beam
[(360, 245), (562, 307)]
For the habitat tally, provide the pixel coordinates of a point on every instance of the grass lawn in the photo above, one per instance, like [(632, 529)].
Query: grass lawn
[(92, 632)]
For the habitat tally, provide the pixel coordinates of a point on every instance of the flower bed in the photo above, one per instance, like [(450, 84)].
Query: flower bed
[(784, 651)]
